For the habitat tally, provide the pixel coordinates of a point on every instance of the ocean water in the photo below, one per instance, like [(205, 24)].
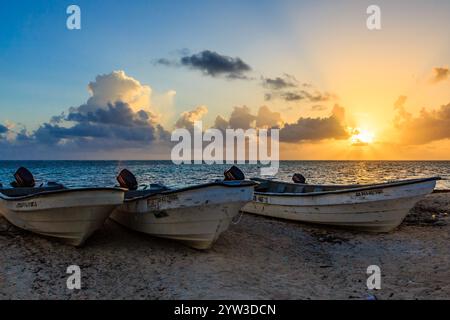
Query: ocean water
[(103, 173)]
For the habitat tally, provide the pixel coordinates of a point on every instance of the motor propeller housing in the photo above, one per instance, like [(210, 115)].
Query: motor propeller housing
[(127, 180), (298, 178), (24, 179), (234, 173)]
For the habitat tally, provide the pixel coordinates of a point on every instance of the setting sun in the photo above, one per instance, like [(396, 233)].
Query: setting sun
[(362, 137)]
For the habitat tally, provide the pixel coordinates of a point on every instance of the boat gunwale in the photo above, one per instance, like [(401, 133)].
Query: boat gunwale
[(58, 192), (243, 183), (346, 190)]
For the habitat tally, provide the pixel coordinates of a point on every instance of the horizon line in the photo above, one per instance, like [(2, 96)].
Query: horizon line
[(235, 162)]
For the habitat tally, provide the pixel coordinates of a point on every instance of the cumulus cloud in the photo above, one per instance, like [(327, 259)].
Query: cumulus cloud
[(440, 74), (163, 109), (267, 118), (338, 112), (220, 123), (212, 64), (427, 126), (10, 131), (188, 118), (317, 96), (242, 118), (117, 86), (314, 129), (116, 116), (117, 112)]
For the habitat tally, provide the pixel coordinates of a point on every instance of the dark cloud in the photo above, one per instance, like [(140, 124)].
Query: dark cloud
[(289, 89), (212, 64), (268, 96), (3, 129), (118, 124), (291, 96), (314, 129), (428, 126), (440, 74), (220, 123), (278, 83), (241, 118), (118, 113)]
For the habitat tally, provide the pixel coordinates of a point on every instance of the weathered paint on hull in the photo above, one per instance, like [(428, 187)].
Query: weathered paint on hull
[(198, 227), (195, 217), (371, 217), (380, 211), (70, 217)]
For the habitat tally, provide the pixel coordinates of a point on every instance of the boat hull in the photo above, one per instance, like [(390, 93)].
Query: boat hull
[(380, 209), (71, 216), (194, 217)]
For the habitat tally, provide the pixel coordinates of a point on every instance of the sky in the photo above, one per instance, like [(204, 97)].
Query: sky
[(135, 71)]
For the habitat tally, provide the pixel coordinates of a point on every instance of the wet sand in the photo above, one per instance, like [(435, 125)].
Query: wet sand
[(259, 258)]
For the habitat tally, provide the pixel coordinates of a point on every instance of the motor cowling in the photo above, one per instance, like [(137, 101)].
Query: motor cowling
[(24, 178), (127, 180), (298, 178), (234, 173)]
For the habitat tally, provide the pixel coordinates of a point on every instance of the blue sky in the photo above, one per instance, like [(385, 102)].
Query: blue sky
[(46, 67)]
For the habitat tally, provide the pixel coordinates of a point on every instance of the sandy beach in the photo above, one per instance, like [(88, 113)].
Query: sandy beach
[(259, 258)]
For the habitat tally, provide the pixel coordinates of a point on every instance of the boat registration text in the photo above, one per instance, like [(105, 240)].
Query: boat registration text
[(31, 204), (369, 193)]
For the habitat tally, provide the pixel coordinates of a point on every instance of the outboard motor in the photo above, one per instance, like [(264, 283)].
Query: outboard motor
[(127, 180), (298, 178), (24, 179), (234, 173)]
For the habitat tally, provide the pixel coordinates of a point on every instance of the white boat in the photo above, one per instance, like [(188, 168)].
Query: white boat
[(194, 215), (71, 215), (373, 207)]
